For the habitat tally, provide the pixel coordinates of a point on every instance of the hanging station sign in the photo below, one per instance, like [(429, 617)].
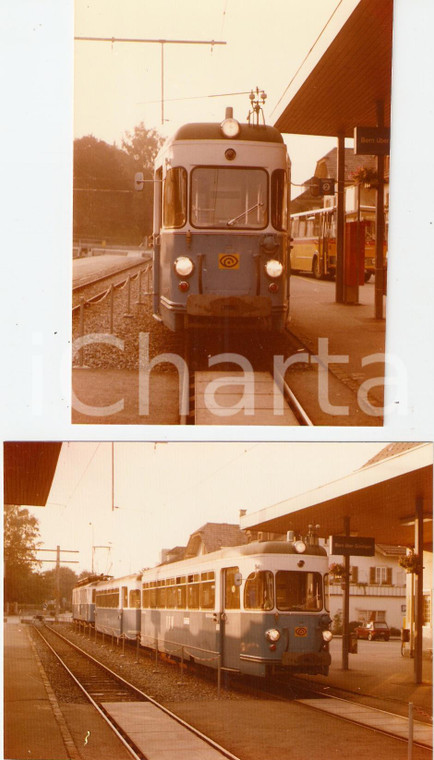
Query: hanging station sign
[(361, 546), (372, 141)]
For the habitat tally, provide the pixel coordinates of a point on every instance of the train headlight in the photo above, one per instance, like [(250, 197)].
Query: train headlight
[(327, 635), (300, 547), (184, 266), (230, 127), (272, 634), (274, 268)]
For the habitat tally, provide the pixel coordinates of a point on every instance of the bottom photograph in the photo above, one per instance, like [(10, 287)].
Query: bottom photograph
[(217, 600)]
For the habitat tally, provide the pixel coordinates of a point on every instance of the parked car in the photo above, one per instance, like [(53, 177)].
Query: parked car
[(374, 630)]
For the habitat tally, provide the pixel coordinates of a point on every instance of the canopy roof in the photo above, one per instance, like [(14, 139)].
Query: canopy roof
[(29, 469), (342, 89), (379, 499)]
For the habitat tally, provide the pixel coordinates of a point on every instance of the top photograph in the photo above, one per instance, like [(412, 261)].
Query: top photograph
[(231, 212)]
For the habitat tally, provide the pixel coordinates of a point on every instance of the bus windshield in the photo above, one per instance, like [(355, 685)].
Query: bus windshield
[(298, 590), (234, 198)]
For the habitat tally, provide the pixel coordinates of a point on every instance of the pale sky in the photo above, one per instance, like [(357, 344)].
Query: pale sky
[(119, 85), (165, 491)]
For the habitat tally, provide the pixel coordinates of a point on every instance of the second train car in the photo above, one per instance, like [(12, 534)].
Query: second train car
[(220, 244)]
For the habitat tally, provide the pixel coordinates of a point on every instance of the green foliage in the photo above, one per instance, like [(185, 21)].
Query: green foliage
[(21, 533), (106, 206)]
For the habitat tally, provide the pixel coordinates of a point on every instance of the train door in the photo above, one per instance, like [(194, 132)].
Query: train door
[(230, 626)]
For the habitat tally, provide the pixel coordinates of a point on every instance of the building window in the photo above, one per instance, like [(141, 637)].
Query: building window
[(354, 574), (380, 576)]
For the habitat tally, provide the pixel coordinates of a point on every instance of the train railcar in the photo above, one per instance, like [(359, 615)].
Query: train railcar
[(220, 227), (260, 608), (83, 598), (117, 606)]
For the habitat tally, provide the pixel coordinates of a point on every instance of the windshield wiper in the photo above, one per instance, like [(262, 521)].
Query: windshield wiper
[(252, 208)]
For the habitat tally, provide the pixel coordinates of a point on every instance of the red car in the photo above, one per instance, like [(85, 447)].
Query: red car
[(373, 630)]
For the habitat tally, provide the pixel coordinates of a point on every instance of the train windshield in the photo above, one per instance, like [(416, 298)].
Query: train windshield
[(298, 590), (234, 198)]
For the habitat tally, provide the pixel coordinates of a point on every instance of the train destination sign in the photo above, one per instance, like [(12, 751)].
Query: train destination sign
[(360, 546), (372, 141)]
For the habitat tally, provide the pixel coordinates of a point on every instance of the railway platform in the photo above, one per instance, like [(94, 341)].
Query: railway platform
[(34, 725), (350, 334)]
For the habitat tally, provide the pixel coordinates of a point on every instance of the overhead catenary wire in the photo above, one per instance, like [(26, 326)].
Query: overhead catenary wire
[(308, 54)]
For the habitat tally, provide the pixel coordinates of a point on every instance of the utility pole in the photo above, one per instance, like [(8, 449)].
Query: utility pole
[(112, 40), (57, 561)]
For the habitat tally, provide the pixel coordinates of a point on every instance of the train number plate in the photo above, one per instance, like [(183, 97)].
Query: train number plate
[(300, 631), (229, 260)]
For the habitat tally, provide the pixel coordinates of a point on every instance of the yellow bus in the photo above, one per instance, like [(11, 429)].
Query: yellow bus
[(313, 244)]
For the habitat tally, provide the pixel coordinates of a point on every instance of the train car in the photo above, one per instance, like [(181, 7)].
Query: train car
[(260, 608), (83, 598), (220, 227), (117, 606)]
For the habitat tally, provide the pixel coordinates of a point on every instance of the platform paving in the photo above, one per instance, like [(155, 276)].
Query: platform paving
[(157, 734), (253, 394), (395, 725)]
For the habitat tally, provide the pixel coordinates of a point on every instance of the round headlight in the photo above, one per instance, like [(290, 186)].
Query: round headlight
[(184, 266), (327, 635), (230, 127), (300, 547), (272, 634), (274, 268)]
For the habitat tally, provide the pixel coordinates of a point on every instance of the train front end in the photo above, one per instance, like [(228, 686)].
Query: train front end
[(220, 227), (286, 620)]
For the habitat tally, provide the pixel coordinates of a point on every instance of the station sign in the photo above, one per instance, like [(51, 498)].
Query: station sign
[(360, 546), (372, 141)]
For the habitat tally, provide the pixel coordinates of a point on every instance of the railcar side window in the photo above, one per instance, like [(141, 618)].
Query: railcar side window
[(298, 590), (279, 199), (232, 591), (175, 197), (135, 598), (258, 591), (207, 591), (233, 198)]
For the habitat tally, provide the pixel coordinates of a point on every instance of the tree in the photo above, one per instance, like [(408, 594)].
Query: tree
[(67, 581), (106, 205), (21, 533), (142, 145)]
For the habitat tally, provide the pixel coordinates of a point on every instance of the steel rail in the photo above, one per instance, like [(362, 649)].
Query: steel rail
[(211, 742), (90, 698)]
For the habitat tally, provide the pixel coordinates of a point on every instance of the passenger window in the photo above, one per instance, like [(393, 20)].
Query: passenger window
[(232, 590)]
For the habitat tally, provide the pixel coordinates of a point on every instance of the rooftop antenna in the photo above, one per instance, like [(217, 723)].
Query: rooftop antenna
[(257, 100)]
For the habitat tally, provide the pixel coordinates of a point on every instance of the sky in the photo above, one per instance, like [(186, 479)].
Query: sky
[(118, 85), (163, 492)]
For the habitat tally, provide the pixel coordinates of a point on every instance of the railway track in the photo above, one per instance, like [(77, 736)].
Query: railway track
[(257, 397), (336, 703), (325, 700), (136, 719)]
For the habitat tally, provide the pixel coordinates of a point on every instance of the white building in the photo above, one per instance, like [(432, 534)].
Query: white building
[(377, 588)]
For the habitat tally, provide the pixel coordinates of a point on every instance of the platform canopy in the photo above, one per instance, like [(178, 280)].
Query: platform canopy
[(29, 469), (342, 88), (379, 499)]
